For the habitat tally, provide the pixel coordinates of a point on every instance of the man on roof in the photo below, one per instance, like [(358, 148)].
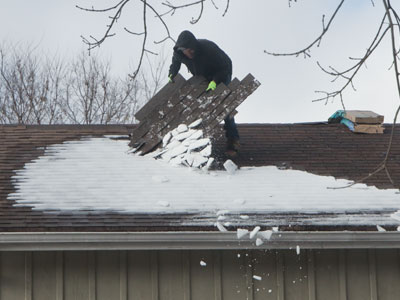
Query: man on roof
[(204, 58)]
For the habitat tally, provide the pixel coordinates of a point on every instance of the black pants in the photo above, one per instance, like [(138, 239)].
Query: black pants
[(230, 127)]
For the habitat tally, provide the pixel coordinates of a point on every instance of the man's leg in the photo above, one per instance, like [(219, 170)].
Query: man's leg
[(230, 127), (231, 134)]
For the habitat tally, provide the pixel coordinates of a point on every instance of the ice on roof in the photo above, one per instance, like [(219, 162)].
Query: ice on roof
[(101, 174)]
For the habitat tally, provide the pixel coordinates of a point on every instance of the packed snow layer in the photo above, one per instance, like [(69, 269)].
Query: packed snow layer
[(101, 174)]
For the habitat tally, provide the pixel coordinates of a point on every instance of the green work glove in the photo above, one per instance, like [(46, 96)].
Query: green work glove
[(211, 86), (170, 78)]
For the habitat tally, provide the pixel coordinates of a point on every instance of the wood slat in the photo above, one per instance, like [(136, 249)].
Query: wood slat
[(247, 86), (159, 98), (159, 113), (172, 118), (188, 104)]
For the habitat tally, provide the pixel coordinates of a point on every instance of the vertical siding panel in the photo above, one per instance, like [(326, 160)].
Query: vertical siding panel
[(372, 274), (280, 279), (76, 283), (295, 275), (311, 274), (264, 265), (60, 275), (92, 274), (186, 275), (141, 275), (44, 275), (108, 275), (28, 275), (170, 275), (217, 268), (358, 274), (342, 275), (327, 275), (155, 285), (123, 275), (12, 273), (202, 278), (388, 274), (249, 275), (233, 275)]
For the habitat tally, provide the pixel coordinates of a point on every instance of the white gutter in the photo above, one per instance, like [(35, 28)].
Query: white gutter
[(45, 241)]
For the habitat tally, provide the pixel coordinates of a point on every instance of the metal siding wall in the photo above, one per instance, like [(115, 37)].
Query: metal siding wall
[(357, 275), (76, 276), (142, 273), (265, 265), (388, 274), (44, 275), (12, 276), (327, 275), (170, 275), (205, 276), (173, 275)]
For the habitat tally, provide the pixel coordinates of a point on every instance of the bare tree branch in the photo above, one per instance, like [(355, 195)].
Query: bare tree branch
[(97, 42), (353, 69), (305, 51), (389, 11)]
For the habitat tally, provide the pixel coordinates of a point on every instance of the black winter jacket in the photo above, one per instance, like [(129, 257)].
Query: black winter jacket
[(209, 60)]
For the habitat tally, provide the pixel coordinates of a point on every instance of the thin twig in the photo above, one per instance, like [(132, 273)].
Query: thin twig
[(226, 8), (383, 164), (305, 50), (133, 76)]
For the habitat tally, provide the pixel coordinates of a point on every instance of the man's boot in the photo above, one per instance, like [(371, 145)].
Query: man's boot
[(232, 147)]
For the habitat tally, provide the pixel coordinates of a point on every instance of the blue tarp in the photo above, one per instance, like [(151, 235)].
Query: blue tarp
[(338, 117)]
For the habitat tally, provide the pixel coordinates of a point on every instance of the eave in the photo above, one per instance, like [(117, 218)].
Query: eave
[(44, 241)]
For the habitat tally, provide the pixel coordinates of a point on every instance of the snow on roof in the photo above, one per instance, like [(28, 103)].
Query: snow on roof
[(100, 174)]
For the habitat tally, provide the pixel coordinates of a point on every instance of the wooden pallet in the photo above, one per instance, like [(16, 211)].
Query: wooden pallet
[(184, 102)]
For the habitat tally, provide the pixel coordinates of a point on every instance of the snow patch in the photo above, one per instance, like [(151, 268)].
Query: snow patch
[(241, 233), (239, 201), (380, 228), (254, 232), (186, 146), (196, 123), (163, 203), (265, 235), (259, 242), (159, 178), (220, 227), (230, 167), (99, 174)]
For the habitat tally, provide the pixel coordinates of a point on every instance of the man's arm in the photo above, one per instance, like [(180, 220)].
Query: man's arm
[(175, 66), (219, 60)]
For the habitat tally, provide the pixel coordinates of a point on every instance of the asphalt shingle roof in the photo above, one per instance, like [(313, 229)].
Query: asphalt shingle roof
[(323, 149)]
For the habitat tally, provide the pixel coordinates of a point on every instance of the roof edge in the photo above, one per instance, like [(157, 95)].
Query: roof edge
[(45, 241)]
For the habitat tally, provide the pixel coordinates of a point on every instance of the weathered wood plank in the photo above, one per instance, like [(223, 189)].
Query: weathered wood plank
[(159, 113), (205, 104), (363, 117), (171, 119), (161, 97), (193, 107), (247, 86), (188, 104)]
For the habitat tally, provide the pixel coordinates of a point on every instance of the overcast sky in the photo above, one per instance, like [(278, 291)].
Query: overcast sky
[(249, 28)]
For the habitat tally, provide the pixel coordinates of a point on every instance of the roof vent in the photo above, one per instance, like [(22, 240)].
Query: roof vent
[(361, 121)]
